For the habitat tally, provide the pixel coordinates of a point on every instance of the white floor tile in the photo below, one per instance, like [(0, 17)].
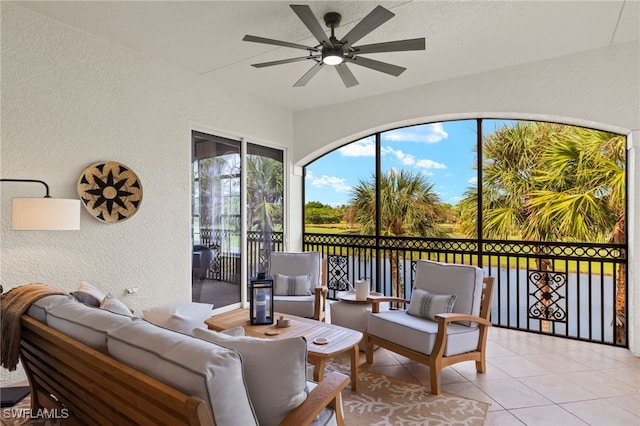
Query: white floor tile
[(548, 415), (511, 393), (601, 412), (558, 389)]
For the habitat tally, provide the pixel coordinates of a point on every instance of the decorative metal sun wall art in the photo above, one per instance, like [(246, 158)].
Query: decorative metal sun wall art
[(110, 191)]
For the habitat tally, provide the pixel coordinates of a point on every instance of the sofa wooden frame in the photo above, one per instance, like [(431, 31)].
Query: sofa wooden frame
[(436, 361), (93, 388)]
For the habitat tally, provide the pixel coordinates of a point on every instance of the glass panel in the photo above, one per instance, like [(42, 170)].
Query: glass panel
[(265, 193), (216, 220), (340, 210), (335, 184), (426, 171), (552, 182)]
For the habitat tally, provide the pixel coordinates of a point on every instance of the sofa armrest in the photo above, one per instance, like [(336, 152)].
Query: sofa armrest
[(327, 393)]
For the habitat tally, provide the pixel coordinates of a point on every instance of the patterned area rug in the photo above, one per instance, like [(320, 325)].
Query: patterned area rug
[(382, 400), (379, 401)]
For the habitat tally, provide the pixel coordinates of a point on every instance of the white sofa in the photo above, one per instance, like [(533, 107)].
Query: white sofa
[(216, 374)]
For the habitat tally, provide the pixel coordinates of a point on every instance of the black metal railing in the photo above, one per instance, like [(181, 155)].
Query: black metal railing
[(227, 259), (563, 289)]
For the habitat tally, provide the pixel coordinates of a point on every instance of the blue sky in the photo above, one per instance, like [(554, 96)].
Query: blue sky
[(443, 152)]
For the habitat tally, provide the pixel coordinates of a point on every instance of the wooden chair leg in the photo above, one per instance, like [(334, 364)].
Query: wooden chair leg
[(481, 365), (368, 348), (434, 372)]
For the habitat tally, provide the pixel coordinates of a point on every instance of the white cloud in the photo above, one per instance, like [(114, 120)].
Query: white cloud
[(362, 148), (410, 160), (473, 180), (427, 133), (430, 164), (333, 182)]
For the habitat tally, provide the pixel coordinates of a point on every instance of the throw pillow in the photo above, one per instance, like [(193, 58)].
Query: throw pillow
[(235, 331), (427, 305), (111, 304), (89, 294), (275, 372), (292, 285), (179, 316)]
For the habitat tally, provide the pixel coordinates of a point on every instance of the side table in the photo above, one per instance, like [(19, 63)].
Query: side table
[(351, 313)]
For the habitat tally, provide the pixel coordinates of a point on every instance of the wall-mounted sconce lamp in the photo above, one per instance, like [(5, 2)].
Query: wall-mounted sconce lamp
[(43, 214)]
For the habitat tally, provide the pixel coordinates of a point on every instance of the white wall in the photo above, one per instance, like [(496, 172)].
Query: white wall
[(70, 99), (599, 89)]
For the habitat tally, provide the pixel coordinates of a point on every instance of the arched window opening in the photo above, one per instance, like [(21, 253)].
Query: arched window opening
[(551, 227)]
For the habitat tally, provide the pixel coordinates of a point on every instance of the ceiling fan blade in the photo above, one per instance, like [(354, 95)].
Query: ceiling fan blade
[(391, 46), (282, 61), (271, 41), (376, 65), (309, 75), (373, 20), (346, 75), (309, 20)]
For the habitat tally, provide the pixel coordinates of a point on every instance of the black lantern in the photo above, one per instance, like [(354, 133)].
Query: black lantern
[(261, 300)]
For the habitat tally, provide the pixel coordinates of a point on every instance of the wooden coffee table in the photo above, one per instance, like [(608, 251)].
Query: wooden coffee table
[(339, 339)]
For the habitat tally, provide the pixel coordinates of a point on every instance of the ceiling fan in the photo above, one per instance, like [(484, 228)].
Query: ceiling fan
[(338, 53)]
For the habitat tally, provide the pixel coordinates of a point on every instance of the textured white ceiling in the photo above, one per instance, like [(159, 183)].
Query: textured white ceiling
[(463, 37)]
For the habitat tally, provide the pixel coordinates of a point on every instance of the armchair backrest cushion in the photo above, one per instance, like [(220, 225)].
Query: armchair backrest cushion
[(294, 264), (465, 281)]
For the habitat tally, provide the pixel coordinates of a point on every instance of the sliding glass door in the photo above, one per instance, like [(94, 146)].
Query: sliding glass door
[(264, 205), (220, 189), (216, 206)]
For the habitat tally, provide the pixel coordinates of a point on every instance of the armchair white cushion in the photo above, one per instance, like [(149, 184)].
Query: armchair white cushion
[(299, 264), (451, 337)]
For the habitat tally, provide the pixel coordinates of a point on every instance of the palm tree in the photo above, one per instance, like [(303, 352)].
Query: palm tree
[(546, 182), (582, 195), (264, 198), (408, 207)]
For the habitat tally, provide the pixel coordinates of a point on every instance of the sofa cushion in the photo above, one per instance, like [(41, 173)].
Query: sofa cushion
[(420, 334), (292, 285), (86, 324), (179, 316), (427, 305), (275, 371), (195, 367), (39, 309)]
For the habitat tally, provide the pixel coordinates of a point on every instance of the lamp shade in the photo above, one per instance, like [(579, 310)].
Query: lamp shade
[(45, 214)]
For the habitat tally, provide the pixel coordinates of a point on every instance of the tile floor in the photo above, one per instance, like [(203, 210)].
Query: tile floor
[(533, 379)]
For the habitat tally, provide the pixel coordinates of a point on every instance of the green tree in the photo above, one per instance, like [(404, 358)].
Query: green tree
[(551, 182), (264, 198), (408, 207), (582, 195), (317, 213)]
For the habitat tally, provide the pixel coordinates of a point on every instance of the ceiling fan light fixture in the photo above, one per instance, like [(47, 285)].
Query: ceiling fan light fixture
[(332, 56), (338, 52)]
